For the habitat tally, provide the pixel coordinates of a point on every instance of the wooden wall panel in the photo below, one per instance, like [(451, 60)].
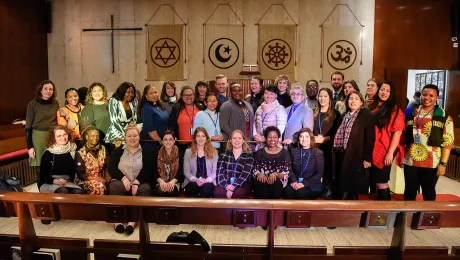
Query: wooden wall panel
[(411, 35), (23, 55)]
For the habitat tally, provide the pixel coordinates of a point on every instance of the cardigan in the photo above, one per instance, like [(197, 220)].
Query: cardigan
[(96, 115), (232, 118), (190, 168), (56, 164), (149, 166), (302, 117), (119, 120), (203, 119)]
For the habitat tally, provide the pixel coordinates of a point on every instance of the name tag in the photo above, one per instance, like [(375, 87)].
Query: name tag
[(300, 179), (232, 180)]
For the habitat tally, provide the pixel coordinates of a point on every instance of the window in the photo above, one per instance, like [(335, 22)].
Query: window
[(437, 78)]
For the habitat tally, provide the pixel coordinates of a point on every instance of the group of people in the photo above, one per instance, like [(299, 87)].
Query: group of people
[(278, 141)]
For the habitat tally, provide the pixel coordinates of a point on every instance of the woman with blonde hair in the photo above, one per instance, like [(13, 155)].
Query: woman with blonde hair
[(283, 84), (131, 169), (200, 166), (234, 168), (371, 91)]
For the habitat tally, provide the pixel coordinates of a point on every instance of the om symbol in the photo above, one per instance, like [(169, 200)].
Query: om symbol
[(341, 55)]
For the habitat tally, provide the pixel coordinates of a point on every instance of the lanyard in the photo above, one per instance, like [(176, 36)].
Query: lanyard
[(421, 120), (301, 160), (263, 119), (292, 111), (193, 114), (217, 119), (234, 163), (320, 122), (201, 165)]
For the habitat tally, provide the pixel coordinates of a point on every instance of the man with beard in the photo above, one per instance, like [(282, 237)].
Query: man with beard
[(337, 79), (221, 85), (312, 93)]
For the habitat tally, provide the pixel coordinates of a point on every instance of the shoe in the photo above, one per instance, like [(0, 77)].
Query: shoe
[(120, 229), (46, 222), (129, 230), (331, 228)]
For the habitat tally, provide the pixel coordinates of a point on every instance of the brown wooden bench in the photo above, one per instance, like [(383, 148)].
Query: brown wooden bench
[(13, 154), (238, 213)]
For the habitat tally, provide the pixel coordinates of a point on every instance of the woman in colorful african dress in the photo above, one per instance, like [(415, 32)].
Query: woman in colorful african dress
[(90, 163)]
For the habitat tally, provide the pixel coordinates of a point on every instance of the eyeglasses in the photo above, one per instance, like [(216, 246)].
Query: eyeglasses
[(296, 94), (312, 86)]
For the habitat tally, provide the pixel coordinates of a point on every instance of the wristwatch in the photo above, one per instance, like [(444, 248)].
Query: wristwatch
[(443, 163)]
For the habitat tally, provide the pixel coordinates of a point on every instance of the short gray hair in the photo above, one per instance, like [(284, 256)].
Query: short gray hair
[(297, 87)]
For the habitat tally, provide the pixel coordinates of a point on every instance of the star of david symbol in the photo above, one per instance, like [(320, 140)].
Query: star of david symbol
[(276, 54), (167, 52)]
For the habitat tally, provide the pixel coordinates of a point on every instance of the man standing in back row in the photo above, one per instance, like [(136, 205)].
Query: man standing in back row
[(221, 85), (337, 79)]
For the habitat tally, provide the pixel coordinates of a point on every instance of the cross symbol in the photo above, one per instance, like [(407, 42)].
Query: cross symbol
[(111, 29)]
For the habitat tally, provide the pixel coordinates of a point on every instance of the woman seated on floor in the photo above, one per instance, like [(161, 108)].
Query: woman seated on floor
[(234, 169), (200, 166), (131, 169), (57, 168), (90, 163), (307, 169), (168, 176)]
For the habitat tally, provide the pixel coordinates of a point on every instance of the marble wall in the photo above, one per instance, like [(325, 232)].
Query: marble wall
[(79, 58)]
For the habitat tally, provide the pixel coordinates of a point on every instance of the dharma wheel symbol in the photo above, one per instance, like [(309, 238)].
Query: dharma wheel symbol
[(276, 54)]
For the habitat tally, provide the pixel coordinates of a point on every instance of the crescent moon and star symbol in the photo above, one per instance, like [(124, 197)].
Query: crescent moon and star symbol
[(223, 53)]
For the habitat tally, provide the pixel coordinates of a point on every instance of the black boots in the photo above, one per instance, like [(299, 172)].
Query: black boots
[(383, 194), (349, 196)]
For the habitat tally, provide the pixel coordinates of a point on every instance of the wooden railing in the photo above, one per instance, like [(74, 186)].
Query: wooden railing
[(238, 213)]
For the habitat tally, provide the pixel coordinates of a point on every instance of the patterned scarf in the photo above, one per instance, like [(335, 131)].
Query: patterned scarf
[(62, 149), (343, 133), (168, 165)]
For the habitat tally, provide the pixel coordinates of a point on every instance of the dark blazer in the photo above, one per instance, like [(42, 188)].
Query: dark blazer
[(172, 122), (359, 149), (149, 165)]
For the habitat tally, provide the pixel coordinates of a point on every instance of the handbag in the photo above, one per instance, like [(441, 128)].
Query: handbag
[(189, 238)]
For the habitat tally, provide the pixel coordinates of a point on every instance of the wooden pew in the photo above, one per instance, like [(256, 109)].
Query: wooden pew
[(238, 213)]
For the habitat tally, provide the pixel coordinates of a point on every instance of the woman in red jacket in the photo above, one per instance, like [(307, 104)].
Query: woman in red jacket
[(388, 130)]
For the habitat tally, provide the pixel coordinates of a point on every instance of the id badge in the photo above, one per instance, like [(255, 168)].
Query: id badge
[(417, 139), (216, 133), (300, 179), (232, 180)]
